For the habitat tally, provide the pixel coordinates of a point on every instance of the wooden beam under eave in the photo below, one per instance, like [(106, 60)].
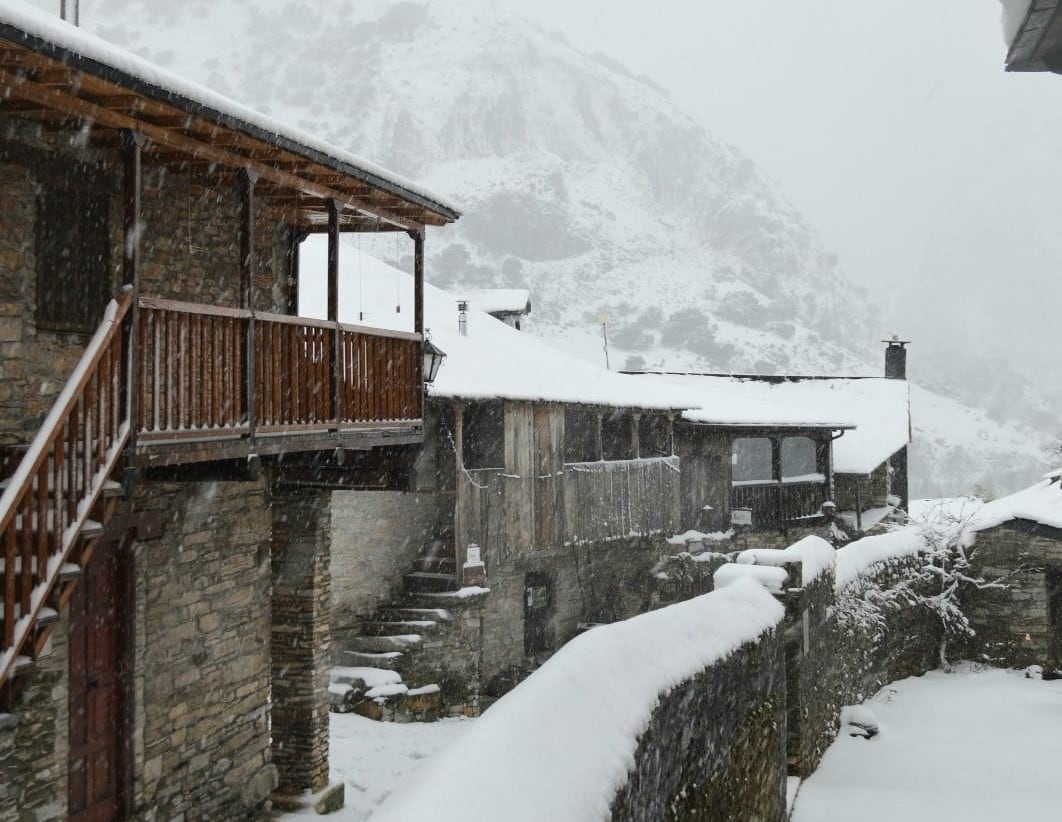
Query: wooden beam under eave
[(28, 90)]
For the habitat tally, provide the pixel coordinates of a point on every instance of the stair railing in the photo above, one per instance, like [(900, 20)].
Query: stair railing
[(47, 501)]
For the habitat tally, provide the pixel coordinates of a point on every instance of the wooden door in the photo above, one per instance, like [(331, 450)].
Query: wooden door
[(98, 672)]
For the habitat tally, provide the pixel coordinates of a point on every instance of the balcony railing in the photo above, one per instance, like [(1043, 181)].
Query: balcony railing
[(776, 504), (211, 372)]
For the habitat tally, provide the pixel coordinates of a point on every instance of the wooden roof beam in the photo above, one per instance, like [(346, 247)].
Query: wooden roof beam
[(26, 89)]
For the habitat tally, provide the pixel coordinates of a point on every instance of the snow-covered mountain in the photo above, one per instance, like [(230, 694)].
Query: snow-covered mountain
[(577, 180)]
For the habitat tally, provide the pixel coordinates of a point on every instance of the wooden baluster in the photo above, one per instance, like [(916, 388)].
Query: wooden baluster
[(87, 402), (195, 372), (10, 553), (26, 582), (42, 514), (279, 409), (58, 463)]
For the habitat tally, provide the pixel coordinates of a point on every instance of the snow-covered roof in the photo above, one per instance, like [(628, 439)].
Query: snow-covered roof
[(493, 361), (877, 408), (1040, 503), (46, 34), (498, 300)]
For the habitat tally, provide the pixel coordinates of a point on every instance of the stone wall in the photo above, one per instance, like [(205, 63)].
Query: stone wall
[(836, 656), (201, 670), (1014, 622), (595, 582), (715, 746), (376, 536), (190, 248), (872, 489), (33, 740), (301, 637)]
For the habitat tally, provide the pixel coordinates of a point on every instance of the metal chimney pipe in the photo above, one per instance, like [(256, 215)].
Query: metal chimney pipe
[(896, 358), (70, 10), (462, 317)]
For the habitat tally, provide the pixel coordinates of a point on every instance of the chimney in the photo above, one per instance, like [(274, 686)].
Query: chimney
[(462, 317), (896, 358), (70, 10)]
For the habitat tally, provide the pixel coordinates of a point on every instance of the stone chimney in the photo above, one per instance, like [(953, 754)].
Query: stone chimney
[(896, 358)]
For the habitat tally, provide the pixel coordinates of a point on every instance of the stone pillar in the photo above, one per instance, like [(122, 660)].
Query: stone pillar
[(301, 638)]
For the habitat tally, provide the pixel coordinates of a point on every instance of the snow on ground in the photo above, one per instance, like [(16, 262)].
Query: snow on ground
[(376, 758), (978, 746)]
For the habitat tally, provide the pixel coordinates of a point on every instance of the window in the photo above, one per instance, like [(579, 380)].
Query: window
[(752, 459), (798, 457), (73, 247)]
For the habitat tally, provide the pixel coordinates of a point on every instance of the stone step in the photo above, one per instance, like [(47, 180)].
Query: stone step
[(387, 660), (422, 582), (399, 627), (383, 644), (451, 600), (436, 565), (398, 614)]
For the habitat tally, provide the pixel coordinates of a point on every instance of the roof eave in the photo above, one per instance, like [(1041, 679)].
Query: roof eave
[(105, 71)]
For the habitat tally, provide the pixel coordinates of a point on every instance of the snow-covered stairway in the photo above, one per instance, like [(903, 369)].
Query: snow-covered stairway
[(54, 506), (420, 636)]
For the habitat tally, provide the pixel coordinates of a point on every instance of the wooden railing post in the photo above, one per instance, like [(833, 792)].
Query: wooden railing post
[(133, 143), (247, 295), (418, 312), (334, 208)]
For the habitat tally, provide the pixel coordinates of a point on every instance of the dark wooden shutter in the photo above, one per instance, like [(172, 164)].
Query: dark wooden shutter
[(73, 248)]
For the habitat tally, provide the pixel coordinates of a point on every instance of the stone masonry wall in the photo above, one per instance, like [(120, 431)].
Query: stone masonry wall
[(201, 681), (833, 661), (715, 746), (33, 740), (376, 536), (301, 638), (597, 582), (1013, 623), (190, 249)]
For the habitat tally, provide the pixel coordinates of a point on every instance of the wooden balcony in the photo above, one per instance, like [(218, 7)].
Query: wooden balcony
[(776, 505), (218, 383)]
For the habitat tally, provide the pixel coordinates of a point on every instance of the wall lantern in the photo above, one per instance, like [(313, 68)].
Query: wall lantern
[(433, 357)]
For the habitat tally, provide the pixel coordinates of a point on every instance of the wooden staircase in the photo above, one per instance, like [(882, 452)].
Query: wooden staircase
[(54, 506)]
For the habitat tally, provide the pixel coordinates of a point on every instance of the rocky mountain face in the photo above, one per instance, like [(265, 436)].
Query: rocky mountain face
[(577, 180)]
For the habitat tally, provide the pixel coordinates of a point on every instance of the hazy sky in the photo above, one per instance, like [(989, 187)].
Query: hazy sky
[(931, 172)]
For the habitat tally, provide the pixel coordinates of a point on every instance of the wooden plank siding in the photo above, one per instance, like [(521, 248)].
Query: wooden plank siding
[(595, 502)]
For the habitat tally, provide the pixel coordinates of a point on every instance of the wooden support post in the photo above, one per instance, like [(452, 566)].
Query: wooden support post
[(334, 208), (670, 434), (418, 308), (132, 226), (823, 464), (599, 437), (776, 475), (636, 435), (247, 296), (294, 246)]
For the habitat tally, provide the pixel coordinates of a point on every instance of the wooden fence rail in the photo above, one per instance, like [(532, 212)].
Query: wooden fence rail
[(774, 504)]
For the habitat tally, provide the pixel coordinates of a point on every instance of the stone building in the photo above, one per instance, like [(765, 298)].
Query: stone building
[(1017, 550), (164, 565), (552, 495)]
